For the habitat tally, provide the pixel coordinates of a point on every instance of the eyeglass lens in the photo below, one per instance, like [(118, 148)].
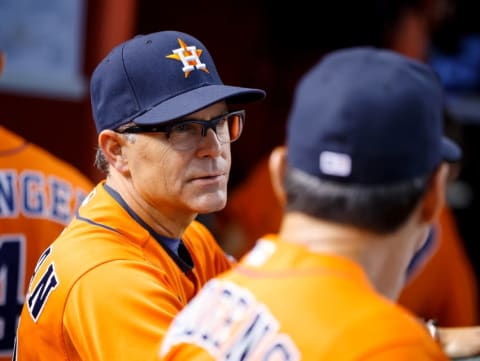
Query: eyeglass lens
[(188, 134)]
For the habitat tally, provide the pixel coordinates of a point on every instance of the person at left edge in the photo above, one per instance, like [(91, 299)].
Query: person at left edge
[(39, 194), (109, 286)]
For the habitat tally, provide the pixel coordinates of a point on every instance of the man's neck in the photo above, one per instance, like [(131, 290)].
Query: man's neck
[(383, 257)]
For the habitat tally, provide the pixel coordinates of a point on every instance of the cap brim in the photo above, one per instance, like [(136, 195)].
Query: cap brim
[(197, 99), (451, 151)]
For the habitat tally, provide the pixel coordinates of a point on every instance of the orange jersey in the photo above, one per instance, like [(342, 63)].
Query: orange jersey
[(283, 302), (444, 288), (39, 194), (107, 290)]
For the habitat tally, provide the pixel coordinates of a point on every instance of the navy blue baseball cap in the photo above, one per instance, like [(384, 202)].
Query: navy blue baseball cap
[(156, 78), (368, 116)]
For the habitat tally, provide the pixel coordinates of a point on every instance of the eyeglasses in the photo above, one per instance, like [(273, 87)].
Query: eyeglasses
[(187, 134)]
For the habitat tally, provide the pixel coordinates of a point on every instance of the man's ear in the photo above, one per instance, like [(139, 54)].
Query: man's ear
[(277, 164), (111, 143), (434, 199)]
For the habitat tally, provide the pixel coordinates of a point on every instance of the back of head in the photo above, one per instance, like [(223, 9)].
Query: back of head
[(158, 77), (368, 116), (368, 119)]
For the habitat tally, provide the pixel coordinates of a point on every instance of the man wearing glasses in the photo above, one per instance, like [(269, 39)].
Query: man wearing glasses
[(134, 255)]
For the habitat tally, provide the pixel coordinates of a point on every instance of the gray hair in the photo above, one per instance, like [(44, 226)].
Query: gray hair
[(101, 162)]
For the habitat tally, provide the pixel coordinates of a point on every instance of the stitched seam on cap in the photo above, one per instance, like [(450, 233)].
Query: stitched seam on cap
[(129, 80)]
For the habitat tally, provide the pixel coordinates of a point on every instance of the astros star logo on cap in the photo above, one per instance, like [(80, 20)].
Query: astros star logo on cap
[(189, 56)]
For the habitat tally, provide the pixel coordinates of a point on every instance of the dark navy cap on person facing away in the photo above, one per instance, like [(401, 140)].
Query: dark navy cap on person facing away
[(156, 78), (368, 116)]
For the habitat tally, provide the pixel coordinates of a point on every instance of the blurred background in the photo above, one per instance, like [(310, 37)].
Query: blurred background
[(52, 47)]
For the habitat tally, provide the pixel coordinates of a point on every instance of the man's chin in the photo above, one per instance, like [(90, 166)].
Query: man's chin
[(210, 203)]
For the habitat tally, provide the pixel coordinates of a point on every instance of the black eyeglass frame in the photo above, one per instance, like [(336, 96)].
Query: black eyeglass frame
[(167, 127)]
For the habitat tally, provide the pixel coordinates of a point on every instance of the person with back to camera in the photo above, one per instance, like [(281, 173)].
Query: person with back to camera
[(362, 180), (39, 193), (134, 253)]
